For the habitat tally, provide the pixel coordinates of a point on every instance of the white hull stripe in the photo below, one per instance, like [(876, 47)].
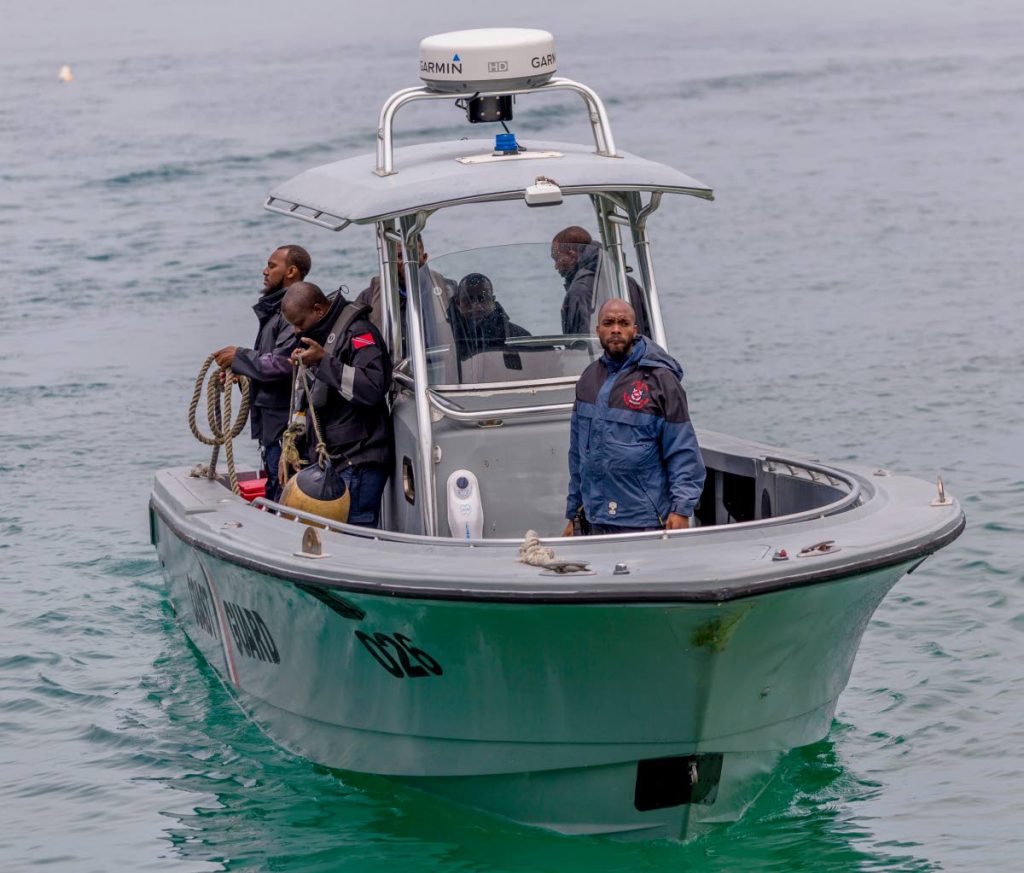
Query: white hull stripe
[(225, 631)]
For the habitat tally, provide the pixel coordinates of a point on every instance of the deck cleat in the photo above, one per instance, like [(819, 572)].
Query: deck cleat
[(942, 499), (826, 547)]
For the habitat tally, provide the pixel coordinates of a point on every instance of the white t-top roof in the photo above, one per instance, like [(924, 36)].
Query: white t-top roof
[(432, 175)]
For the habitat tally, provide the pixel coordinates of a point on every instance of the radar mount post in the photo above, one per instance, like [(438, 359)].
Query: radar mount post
[(604, 142)]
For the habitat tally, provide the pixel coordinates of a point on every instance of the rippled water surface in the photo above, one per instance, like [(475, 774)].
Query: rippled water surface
[(855, 291)]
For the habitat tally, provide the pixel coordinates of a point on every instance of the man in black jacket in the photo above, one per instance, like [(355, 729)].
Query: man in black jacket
[(351, 367), (267, 363), (479, 322), (578, 260)]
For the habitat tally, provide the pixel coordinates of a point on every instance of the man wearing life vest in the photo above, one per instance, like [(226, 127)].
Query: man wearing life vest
[(267, 363), (634, 463), (351, 370)]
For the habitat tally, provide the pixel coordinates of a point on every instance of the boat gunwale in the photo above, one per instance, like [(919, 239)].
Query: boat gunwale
[(813, 575)]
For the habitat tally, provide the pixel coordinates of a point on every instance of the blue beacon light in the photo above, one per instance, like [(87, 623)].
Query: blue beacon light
[(505, 144)]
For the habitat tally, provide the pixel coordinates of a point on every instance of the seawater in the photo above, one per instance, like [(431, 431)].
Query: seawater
[(855, 291)]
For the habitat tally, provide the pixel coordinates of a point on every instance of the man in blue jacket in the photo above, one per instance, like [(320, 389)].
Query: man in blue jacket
[(634, 463)]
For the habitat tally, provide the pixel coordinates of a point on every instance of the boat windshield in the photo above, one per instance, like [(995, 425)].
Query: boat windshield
[(513, 313)]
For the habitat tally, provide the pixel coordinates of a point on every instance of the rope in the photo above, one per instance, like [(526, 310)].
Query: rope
[(291, 458), (323, 457), (532, 552), (215, 417)]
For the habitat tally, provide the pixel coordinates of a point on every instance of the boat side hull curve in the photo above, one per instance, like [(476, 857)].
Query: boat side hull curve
[(536, 711)]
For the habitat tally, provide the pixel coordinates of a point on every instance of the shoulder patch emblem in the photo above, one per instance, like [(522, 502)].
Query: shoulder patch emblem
[(363, 340), (638, 395)]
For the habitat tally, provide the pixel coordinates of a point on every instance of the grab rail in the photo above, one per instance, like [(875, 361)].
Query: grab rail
[(450, 410), (851, 498), (832, 477)]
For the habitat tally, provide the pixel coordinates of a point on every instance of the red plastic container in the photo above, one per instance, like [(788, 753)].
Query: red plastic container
[(253, 488)]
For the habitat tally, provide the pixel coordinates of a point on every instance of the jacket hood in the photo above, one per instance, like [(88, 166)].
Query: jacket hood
[(481, 334), (656, 356), (493, 325), (587, 262), (268, 304)]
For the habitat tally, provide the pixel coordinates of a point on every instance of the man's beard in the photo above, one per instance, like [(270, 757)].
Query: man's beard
[(618, 356)]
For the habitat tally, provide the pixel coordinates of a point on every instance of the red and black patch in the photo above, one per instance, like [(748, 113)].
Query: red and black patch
[(638, 395), (363, 340)]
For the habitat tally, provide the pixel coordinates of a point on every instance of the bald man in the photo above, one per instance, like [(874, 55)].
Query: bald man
[(352, 372), (634, 463)]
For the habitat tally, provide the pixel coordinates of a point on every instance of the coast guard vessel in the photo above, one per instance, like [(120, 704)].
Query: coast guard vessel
[(641, 686)]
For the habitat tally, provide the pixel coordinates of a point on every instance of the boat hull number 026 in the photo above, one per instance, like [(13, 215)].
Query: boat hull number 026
[(396, 654)]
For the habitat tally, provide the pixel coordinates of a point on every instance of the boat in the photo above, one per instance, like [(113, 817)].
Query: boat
[(638, 686)]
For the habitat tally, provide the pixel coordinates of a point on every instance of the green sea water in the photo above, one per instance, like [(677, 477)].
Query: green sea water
[(855, 291)]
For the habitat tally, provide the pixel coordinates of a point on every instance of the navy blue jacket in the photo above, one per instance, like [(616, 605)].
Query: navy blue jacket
[(267, 364), (633, 454)]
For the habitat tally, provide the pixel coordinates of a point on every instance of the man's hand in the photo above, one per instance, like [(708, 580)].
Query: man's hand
[(225, 357), (568, 529), (676, 521), (309, 356)]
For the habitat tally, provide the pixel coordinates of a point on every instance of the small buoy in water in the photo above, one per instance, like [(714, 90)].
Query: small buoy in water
[(317, 491), (65, 74)]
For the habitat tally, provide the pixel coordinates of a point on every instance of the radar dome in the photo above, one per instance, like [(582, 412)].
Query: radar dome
[(489, 59)]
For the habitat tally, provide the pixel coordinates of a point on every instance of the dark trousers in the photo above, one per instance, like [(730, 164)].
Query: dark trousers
[(615, 528), (365, 483), (271, 458)]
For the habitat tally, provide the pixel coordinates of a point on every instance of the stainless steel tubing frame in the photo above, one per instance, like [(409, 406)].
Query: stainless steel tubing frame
[(601, 127)]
